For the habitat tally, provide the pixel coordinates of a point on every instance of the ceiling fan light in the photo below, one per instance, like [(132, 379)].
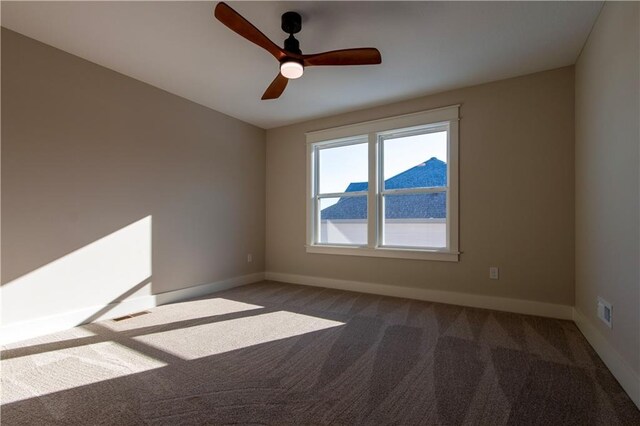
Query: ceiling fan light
[(291, 69)]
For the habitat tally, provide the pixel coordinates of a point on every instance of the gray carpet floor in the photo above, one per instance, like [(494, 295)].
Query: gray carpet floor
[(272, 353)]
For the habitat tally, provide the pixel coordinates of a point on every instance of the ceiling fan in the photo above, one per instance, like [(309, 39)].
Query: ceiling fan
[(292, 61)]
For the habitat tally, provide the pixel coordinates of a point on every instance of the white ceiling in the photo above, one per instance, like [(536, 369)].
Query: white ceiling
[(426, 47)]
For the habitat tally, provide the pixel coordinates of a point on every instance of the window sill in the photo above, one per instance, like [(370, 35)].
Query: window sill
[(397, 253)]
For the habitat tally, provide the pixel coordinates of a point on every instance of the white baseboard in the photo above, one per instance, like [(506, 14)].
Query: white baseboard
[(464, 299), (204, 289), (24, 330), (621, 370)]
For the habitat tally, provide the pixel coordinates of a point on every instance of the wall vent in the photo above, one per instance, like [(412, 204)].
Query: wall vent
[(137, 314), (605, 311)]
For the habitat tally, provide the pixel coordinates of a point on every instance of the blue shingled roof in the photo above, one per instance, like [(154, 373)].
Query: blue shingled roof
[(432, 172)]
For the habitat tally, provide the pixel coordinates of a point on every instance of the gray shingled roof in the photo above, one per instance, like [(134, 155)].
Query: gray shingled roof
[(432, 172)]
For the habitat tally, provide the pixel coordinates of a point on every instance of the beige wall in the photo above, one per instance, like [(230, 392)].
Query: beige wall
[(87, 151), (516, 194), (607, 177)]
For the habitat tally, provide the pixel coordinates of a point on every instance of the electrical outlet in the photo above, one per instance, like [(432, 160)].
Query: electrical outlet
[(249, 258), (605, 311), (494, 273)]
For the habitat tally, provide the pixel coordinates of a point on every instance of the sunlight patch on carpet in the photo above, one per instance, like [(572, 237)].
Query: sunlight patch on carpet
[(54, 371), (210, 339)]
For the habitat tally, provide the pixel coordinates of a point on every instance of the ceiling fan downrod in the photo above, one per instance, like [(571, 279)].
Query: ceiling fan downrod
[(291, 24)]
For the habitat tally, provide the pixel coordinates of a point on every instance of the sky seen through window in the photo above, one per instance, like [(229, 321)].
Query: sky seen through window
[(341, 166)]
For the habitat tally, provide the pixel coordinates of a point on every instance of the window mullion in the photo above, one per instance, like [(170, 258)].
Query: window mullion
[(372, 215), (379, 141)]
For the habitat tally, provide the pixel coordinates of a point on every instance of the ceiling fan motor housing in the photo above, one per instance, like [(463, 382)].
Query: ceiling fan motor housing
[(291, 22)]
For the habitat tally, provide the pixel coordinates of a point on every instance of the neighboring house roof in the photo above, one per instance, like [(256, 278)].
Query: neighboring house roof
[(432, 172)]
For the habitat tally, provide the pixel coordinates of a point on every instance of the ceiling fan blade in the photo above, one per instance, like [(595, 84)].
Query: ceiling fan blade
[(362, 56), (276, 87), (238, 24)]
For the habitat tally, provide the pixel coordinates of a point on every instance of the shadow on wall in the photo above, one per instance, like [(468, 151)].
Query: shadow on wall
[(87, 282)]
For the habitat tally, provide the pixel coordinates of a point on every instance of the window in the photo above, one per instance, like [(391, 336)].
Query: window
[(386, 188)]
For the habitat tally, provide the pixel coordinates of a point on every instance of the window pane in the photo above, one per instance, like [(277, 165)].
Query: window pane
[(415, 161), (343, 220), (416, 220), (343, 169)]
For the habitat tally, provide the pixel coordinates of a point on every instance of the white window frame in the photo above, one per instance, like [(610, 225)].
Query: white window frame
[(375, 132)]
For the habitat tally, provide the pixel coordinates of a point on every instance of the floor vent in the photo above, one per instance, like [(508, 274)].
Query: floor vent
[(137, 314)]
